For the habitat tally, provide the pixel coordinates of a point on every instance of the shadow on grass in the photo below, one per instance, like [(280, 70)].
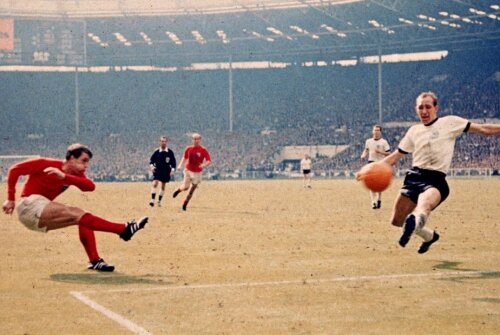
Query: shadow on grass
[(445, 265), (477, 274), (492, 300), (113, 278)]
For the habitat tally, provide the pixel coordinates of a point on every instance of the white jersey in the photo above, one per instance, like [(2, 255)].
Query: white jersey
[(305, 164), (373, 145), (432, 145)]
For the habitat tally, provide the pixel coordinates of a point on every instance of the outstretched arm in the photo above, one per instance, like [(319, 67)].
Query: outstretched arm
[(485, 128)]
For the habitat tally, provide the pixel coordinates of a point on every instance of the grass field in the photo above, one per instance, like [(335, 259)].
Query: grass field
[(258, 257)]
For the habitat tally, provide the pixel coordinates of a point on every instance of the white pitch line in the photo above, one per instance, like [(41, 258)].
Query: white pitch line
[(134, 328), (306, 281)]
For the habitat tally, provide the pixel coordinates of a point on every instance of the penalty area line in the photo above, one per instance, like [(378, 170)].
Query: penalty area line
[(134, 328)]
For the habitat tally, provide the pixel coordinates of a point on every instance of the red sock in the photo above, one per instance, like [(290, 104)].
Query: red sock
[(87, 237), (99, 224)]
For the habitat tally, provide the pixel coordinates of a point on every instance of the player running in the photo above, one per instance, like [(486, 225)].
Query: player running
[(376, 148), (197, 158)]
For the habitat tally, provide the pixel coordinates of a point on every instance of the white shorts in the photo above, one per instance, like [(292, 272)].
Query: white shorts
[(191, 177), (29, 211)]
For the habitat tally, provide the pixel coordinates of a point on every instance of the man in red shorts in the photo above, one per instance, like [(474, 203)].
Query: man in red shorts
[(197, 158), (37, 210)]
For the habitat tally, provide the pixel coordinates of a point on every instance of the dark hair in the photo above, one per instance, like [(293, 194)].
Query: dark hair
[(378, 126), (76, 151)]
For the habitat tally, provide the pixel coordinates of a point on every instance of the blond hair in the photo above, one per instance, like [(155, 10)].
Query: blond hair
[(427, 94)]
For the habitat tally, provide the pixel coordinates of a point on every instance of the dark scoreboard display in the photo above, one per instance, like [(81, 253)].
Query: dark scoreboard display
[(46, 42)]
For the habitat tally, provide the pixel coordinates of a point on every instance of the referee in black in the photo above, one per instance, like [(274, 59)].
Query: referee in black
[(162, 164)]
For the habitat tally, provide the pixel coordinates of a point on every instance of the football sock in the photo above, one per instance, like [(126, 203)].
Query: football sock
[(425, 233), (87, 237), (96, 223), (160, 196), (190, 194), (373, 197), (421, 219), (153, 193)]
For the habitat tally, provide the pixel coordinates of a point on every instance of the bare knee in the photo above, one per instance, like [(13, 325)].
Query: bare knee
[(74, 214)]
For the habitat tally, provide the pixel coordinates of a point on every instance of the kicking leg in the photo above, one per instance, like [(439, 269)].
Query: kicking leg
[(427, 201), (56, 216)]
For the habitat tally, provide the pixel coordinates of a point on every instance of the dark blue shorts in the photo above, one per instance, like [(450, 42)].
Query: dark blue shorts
[(306, 171), (419, 180), (163, 177)]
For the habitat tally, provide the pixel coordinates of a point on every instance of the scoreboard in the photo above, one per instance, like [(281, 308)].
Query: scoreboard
[(42, 42)]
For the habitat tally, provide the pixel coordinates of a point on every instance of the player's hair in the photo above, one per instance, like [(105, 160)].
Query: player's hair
[(164, 137), (428, 94), (76, 150), (378, 126), (193, 135)]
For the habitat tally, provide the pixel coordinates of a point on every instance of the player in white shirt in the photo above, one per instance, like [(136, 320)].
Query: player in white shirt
[(431, 142), (305, 168), (376, 148)]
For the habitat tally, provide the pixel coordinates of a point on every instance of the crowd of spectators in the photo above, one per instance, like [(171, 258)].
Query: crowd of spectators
[(122, 114)]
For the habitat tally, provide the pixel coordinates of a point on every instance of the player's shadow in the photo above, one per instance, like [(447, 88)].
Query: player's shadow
[(476, 274), (455, 266), (114, 278)]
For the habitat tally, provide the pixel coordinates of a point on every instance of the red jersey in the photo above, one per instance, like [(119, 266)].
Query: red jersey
[(194, 156), (39, 182)]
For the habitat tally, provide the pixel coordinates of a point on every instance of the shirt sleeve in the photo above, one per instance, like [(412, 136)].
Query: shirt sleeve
[(173, 162), (207, 155), (28, 167), (407, 145), (152, 160), (387, 147), (457, 125), (82, 182)]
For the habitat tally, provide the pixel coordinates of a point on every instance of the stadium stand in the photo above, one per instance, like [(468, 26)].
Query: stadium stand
[(122, 113)]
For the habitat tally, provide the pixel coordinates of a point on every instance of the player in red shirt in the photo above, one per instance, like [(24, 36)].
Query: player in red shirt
[(197, 158), (37, 210)]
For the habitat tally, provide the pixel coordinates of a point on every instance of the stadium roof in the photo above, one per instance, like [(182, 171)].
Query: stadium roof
[(113, 8), (163, 32)]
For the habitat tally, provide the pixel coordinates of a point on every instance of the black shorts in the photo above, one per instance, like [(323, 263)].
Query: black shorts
[(419, 180), (163, 177), (306, 171)]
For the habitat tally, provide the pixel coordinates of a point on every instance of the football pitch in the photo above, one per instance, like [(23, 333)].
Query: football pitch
[(258, 257)]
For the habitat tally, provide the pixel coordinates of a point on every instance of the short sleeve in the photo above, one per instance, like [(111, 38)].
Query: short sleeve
[(407, 144)]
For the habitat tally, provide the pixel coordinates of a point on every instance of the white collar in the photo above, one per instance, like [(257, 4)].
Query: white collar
[(160, 149)]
